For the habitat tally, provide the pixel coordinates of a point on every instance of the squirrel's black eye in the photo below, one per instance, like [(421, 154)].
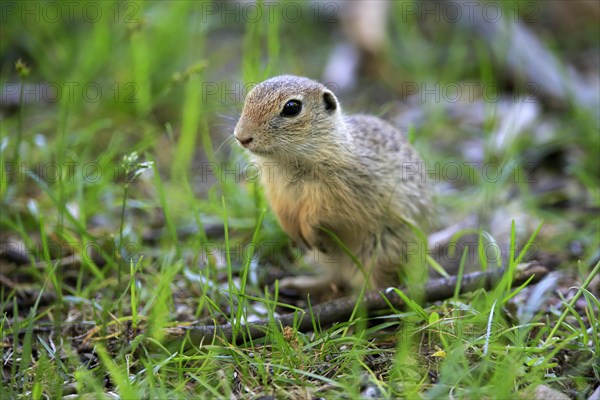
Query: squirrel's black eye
[(291, 108)]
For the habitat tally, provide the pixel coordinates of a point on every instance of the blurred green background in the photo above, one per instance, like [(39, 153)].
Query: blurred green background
[(509, 131)]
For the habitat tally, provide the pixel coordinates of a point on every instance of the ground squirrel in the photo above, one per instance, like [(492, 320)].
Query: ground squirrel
[(333, 178)]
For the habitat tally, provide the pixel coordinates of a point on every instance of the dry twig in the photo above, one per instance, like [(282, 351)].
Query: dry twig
[(341, 309)]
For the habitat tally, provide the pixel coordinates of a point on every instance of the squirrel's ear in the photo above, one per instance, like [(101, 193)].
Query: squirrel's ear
[(330, 101)]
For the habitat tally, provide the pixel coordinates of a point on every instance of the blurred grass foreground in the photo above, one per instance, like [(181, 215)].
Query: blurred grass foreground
[(128, 212)]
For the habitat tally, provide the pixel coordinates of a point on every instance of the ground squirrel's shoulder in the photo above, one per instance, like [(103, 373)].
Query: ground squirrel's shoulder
[(374, 132)]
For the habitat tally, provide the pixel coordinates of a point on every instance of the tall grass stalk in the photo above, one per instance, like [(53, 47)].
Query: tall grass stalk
[(231, 288), (23, 72), (241, 309)]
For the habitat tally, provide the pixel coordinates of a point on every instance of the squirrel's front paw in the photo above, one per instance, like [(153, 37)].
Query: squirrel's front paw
[(317, 287)]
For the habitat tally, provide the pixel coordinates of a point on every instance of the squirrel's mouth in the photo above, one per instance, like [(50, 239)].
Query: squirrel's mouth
[(245, 142), (252, 146), (259, 151)]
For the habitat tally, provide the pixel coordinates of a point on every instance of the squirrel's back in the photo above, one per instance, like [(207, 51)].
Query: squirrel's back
[(393, 164)]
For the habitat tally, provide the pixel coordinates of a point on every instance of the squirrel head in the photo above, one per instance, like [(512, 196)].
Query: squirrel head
[(287, 115)]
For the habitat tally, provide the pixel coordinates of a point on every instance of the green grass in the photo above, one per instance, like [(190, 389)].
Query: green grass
[(92, 327)]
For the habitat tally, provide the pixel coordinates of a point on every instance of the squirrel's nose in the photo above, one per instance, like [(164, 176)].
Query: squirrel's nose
[(245, 142)]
